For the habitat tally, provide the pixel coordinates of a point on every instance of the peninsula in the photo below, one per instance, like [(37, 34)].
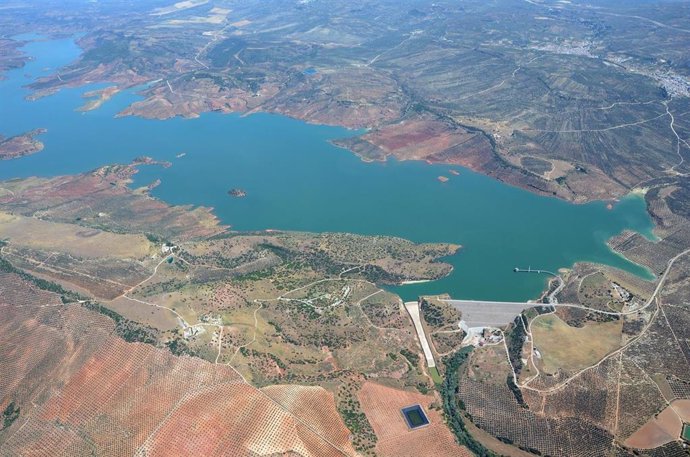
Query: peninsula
[(21, 145)]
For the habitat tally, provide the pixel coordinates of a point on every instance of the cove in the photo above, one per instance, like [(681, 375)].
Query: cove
[(296, 180)]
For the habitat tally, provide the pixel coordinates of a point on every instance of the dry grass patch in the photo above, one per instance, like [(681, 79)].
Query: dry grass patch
[(572, 348), (159, 318), (177, 7), (75, 240), (241, 23)]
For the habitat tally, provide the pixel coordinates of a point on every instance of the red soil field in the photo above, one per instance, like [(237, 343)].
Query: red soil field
[(104, 191), (663, 428), (307, 403), (421, 138), (82, 391), (382, 406)]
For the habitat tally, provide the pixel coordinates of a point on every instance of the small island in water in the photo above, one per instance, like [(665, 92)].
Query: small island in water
[(239, 193)]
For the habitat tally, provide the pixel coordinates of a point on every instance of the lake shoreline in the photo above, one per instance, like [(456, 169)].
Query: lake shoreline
[(297, 180)]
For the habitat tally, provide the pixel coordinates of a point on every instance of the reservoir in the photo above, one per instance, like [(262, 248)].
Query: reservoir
[(296, 180)]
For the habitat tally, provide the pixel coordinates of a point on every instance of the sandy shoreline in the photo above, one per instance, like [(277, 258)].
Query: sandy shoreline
[(417, 281)]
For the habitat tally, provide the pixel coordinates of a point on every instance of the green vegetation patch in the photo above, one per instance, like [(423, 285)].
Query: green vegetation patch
[(435, 375), (517, 393), (452, 408), (179, 347), (433, 315), (108, 49), (411, 357), (363, 436), (9, 415), (516, 339)]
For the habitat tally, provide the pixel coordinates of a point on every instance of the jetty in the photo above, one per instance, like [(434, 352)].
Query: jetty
[(531, 270), (551, 297)]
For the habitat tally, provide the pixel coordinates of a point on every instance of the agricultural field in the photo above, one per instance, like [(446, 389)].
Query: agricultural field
[(195, 320), (382, 406), (663, 428), (570, 348), (119, 398)]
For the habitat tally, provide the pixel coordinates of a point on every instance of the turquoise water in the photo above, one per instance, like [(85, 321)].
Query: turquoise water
[(296, 180)]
